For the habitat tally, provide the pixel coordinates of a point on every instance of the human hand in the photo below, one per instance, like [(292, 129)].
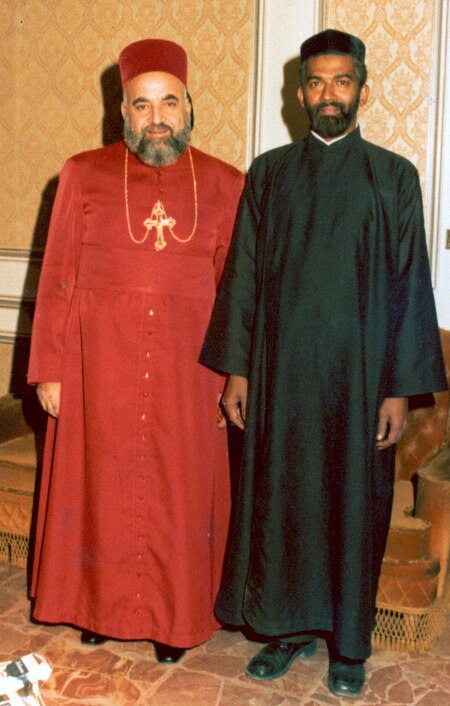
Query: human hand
[(49, 395), (234, 400), (391, 421), (221, 421)]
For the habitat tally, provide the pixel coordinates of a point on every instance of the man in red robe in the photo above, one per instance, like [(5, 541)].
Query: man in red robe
[(134, 502)]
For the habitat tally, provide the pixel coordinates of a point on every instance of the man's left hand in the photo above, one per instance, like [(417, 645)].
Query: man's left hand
[(392, 420)]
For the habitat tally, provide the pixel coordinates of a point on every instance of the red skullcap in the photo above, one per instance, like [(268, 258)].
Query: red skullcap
[(152, 55)]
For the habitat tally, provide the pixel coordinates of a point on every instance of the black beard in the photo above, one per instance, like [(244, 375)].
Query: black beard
[(157, 152), (332, 125)]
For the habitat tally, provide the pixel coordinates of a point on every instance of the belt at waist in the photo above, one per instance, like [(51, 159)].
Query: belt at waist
[(103, 268)]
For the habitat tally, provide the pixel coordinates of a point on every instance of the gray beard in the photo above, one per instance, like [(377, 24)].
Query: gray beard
[(154, 152), (332, 125)]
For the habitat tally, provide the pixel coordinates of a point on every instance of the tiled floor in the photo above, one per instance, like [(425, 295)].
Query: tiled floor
[(125, 673)]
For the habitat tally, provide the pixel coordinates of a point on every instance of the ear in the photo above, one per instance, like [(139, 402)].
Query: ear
[(189, 107), (301, 97), (364, 95), (124, 109)]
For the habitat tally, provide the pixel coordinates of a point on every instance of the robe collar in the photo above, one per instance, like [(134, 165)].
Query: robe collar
[(328, 143)]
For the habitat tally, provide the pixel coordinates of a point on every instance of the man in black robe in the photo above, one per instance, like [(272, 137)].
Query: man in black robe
[(325, 322)]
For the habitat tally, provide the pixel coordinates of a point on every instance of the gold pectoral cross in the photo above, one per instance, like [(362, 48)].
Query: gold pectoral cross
[(159, 219)]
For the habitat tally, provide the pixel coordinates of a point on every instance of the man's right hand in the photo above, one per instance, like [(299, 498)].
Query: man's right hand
[(234, 399), (49, 394)]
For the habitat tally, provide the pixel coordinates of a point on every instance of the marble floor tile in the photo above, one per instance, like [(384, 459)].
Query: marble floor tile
[(127, 673)]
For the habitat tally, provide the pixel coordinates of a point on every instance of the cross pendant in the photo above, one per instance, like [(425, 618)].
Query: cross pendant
[(159, 219)]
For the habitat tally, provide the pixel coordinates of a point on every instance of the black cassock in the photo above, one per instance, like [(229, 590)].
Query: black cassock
[(326, 305)]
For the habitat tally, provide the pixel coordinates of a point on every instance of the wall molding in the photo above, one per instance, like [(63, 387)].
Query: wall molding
[(280, 27), (438, 164), (19, 276)]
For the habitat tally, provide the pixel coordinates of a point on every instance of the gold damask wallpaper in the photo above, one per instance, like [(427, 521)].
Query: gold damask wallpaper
[(61, 91), (60, 87), (399, 38), (61, 94)]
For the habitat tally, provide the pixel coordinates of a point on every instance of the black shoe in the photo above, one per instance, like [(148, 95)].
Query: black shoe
[(167, 654), (92, 638), (275, 658), (346, 679)]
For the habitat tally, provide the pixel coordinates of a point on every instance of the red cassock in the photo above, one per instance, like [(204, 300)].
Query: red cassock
[(134, 500)]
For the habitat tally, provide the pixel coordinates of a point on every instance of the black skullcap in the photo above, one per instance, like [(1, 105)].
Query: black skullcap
[(330, 41)]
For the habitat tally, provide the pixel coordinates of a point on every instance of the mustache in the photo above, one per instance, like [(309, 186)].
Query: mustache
[(329, 104), (158, 127)]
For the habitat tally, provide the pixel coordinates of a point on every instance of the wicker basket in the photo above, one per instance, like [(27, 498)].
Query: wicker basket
[(411, 629)]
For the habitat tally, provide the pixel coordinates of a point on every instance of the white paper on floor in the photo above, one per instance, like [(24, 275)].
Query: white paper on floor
[(19, 680)]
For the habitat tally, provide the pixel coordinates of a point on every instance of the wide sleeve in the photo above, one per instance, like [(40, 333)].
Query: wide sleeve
[(232, 191), (418, 365), (228, 340), (57, 280)]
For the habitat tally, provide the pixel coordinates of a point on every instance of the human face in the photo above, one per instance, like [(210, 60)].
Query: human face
[(156, 115), (331, 94)]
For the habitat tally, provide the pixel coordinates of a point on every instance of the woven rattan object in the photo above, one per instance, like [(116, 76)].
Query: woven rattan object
[(17, 478), (410, 616)]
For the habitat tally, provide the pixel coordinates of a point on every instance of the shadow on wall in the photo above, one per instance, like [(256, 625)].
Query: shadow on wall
[(111, 132), (112, 98), (294, 116)]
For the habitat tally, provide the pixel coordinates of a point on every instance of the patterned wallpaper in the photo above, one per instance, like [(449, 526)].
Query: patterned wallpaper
[(61, 90), (399, 38), (61, 93)]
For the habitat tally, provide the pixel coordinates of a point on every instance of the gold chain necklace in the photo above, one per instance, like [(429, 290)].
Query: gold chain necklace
[(158, 217)]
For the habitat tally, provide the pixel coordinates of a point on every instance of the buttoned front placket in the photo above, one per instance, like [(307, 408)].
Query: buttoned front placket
[(143, 484), (144, 461)]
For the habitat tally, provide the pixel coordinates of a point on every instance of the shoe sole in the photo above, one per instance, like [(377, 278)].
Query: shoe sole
[(305, 652)]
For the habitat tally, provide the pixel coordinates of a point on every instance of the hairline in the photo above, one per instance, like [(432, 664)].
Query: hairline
[(359, 67), (125, 94)]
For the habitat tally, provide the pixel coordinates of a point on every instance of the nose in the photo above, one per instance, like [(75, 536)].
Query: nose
[(328, 93), (155, 115)]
